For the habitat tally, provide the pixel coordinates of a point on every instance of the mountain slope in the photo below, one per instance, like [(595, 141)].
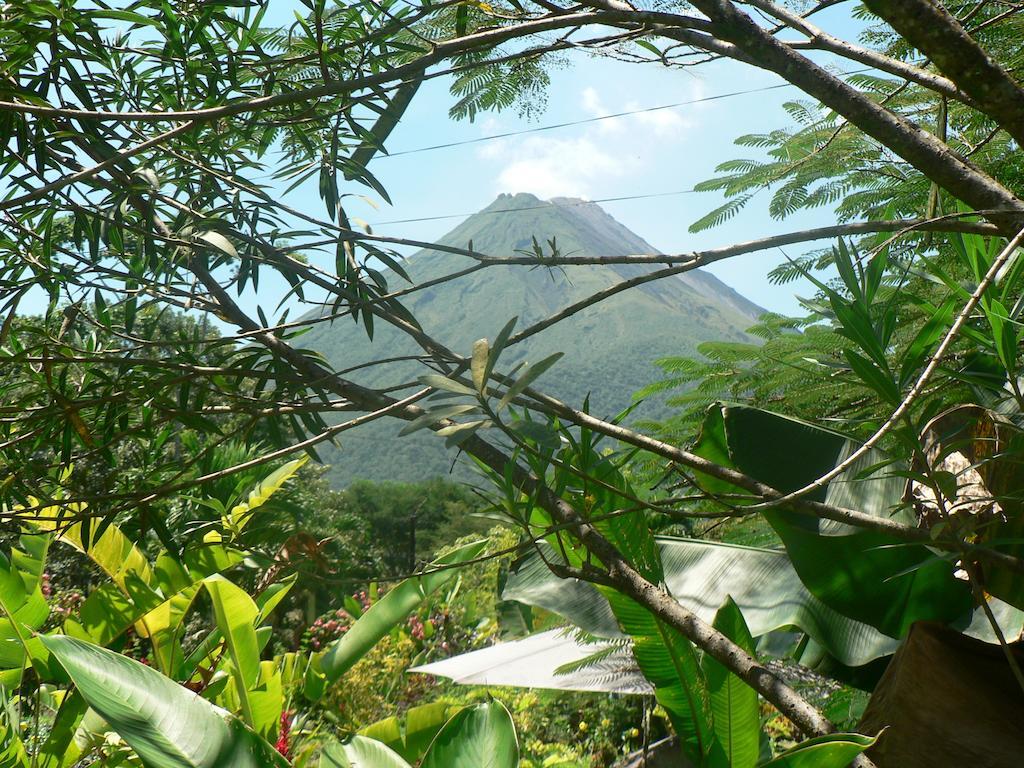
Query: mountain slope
[(609, 348)]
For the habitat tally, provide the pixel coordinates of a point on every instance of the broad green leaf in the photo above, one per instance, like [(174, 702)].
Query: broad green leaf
[(162, 624), (701, 575), (60, 748), (236, 615), (836, 750), (23, 610), (113, 552), (737, 721), (240, 514), (410, 734), (266, 601), (89, 736), (211, 558), (271, 597), (166, 724), (106, 613), (339, 657), (359, 752), (867, 575), (29, 557), (12, 749), (266, 699), (481, 736)]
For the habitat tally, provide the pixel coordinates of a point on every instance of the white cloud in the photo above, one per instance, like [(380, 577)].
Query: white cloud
[(592, 102), (559, 167), (664, 122), (490, 126), (602, 151)]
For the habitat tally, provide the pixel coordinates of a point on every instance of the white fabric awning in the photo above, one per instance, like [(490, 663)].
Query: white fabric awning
[(534, 661)]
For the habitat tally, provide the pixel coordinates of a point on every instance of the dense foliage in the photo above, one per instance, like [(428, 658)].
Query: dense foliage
[(210, 601)]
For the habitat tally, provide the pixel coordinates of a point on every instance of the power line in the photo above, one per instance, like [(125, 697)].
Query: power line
[(487, 212), (598, 118), (568, 124)]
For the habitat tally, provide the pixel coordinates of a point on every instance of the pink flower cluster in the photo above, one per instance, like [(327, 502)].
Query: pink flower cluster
[(416, 628), (327, 628)]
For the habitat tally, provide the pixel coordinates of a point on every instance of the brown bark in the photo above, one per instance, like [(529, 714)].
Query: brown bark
[(947, 701), (921, 149), (937, 34)]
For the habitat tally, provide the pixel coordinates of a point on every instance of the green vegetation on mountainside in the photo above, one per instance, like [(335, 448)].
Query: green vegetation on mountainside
[(610, 349)]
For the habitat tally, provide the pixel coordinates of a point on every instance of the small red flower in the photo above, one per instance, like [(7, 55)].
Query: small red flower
[(282, 744)]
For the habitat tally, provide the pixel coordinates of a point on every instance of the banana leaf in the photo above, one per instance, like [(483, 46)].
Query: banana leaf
[(665, 656), (869, 576), (701, 575), (737, 718)]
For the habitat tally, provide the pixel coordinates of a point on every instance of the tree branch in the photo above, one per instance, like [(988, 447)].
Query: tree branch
[(934, 31)]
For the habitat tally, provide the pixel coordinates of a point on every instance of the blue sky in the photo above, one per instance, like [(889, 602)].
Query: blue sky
[(656, 152), (653, 153)]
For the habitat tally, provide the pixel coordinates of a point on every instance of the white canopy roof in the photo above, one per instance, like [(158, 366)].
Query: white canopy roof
[(534, 661)]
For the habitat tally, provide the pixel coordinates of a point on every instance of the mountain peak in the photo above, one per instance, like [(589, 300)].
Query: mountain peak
[(609, 347), (510, 222), (521, 200)]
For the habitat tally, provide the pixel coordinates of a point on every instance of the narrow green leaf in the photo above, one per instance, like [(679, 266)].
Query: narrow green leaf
[(872, 377), (218, 241), (499, 346), (737, 721), (529, 375), (836, 750), (461, 19), (435, 415), (478, 364), (376, 622), (921, 346), (444, 383)]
